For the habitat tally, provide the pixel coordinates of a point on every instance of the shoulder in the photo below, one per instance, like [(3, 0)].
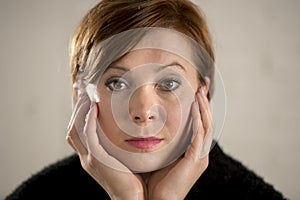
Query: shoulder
[(227, 177), (64, 179)]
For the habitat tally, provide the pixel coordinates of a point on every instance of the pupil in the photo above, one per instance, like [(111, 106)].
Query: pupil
[(118, 85)]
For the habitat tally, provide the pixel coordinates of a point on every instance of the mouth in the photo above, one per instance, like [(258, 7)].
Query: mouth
[(144, 143)]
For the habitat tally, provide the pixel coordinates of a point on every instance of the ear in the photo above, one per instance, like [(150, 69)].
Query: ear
[(75, 94), (207, 85)]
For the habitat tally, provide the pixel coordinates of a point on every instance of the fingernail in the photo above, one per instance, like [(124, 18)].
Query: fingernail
[(97, 99)]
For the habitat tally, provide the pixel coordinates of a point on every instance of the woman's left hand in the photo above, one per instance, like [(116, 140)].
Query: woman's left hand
[(176, 180)]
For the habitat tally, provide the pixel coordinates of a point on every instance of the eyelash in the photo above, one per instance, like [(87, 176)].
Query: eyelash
[(162, 84), (111, 82), (169, 80)]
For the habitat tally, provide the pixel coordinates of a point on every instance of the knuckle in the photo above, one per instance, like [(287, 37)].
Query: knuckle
[(92, 161), (87, 163), (84, 163), (69, 139), (71, 132), (202, 131)]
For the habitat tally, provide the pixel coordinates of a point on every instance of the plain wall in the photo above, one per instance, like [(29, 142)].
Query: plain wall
[(257, 52)]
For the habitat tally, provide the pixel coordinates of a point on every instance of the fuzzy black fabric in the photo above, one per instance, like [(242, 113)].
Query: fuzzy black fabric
[(225, 178)]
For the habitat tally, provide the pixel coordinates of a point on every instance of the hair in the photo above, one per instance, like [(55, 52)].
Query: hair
[(111, 17)]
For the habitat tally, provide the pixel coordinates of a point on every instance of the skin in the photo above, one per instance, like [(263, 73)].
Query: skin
[(171, 182), (146, 96)]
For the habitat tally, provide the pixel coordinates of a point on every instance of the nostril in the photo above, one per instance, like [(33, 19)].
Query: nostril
[(151, 117), (137, 118), (144, 119)]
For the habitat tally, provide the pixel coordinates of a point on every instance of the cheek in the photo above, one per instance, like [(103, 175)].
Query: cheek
[(174, 117), (104, 108), (105, 117)]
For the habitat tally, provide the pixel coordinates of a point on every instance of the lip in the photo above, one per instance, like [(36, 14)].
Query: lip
[(144, 143)]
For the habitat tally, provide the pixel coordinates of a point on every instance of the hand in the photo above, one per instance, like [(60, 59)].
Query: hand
[(118, 184), (176, 180)]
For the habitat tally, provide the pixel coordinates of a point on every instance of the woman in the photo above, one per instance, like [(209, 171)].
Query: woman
[(142, 126)]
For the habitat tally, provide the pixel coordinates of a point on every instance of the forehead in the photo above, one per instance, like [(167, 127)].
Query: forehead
[(148, 56)]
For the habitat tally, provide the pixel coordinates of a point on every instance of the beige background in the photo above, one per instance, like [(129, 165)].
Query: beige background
[(258, 53)]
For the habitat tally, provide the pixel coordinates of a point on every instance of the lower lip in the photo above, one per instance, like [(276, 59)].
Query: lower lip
[(144, 143)]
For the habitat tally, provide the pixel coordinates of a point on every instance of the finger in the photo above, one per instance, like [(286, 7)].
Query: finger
[(80, 120), (207, 120), (90, 128), (93, 144), (70, 142), (75, 137), (82, 99), (205, 110), (75, 142), (181, 175), (197, 128), (194, 150), (196, 118)]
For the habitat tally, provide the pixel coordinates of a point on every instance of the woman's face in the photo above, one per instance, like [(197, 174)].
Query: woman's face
[(155, 78)]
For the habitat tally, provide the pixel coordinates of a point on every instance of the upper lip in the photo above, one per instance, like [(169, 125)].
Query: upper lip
[(144, 139)]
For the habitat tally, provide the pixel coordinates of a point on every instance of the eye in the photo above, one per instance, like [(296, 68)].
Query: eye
[(116, 84), (169, 84)]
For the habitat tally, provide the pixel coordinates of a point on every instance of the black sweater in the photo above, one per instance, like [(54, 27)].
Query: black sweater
[(225, 178)]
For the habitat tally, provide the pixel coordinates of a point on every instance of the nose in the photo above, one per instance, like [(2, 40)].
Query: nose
[(141, 106)]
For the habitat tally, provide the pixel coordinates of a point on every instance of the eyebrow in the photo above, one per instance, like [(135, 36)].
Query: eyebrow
[(160, 68), (172, 64), (117, 67)]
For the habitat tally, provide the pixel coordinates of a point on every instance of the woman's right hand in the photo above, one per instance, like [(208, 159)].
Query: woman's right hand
[(118, 184)]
